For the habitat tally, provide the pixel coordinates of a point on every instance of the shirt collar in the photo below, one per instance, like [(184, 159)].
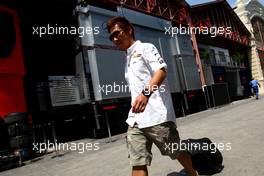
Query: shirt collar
[(132, 47)]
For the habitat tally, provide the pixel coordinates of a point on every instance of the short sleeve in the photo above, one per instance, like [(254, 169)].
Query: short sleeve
[(153, 58)]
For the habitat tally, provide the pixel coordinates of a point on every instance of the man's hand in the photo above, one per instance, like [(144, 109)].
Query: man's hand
[(140, 104)]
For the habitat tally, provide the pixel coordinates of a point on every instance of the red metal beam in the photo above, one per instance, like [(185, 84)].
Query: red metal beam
[(173, 10)]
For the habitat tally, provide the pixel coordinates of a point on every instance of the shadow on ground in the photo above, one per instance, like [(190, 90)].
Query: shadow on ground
[(181, 173)]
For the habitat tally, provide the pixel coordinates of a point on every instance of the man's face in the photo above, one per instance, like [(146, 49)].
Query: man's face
[(122, 39)]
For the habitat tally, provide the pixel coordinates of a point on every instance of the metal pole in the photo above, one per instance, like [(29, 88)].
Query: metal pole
[(54, 137), (208, 96), (184, 82), (205, 97), (229, 99), (108, 127), (96, 116), (183, 111), (43, 133), (213, 95), (185, 100), (197, 55), (33, 134)]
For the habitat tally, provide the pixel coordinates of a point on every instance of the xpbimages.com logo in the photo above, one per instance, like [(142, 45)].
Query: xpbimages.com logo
[(212, 31), (80, 147), (64, 30), (196, 146), (124, 88)]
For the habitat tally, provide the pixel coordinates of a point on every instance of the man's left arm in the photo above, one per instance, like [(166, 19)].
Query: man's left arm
[(158, 66), (141, 101)]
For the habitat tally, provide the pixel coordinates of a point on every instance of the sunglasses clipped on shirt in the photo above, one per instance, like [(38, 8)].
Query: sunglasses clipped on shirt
[(115, 34)]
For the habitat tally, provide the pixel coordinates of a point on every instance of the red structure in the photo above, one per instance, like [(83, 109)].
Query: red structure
[(11, 64), (174, 10), (225, 53), (210, 14)]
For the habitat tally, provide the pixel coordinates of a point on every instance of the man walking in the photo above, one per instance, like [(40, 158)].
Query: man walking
[(255, 86), (151, 118)]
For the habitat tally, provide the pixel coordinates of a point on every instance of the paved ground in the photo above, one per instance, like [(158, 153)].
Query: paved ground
[(240, 123)]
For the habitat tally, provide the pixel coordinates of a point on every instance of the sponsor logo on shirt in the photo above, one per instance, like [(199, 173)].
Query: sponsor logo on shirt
[(136, 55)]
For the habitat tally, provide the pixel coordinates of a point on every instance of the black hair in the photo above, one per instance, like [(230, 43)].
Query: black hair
[(123, 24)]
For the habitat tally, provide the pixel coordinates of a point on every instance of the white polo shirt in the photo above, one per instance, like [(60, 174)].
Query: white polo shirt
[(143, 60)]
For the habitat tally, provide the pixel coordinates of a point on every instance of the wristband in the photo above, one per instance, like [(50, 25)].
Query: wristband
[(146, 93)]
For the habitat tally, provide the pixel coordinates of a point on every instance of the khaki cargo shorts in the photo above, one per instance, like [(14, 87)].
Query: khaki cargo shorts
[(139, 142)]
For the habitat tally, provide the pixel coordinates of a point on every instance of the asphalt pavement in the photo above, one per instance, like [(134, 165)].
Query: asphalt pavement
[(237, 128)]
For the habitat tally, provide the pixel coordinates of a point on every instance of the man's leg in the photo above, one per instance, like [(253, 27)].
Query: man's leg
[(140, 171), (257, 93), (185, 160), (165, 136), (139, 150)]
